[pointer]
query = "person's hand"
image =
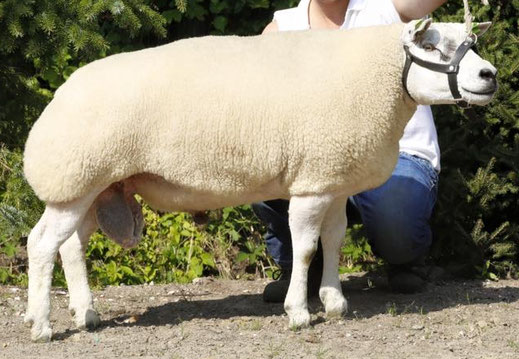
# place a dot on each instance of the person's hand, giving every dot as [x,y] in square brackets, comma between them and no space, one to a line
[416,9]
[272,27]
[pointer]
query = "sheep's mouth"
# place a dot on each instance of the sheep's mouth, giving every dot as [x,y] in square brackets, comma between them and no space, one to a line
[482,93]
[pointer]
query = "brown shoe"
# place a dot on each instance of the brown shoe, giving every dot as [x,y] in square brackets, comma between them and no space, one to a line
[275,292]
[408,278]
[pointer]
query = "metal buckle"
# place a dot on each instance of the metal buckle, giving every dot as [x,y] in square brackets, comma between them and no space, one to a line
[463,104]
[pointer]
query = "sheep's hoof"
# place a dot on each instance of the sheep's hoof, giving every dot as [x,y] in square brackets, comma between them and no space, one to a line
[298,319]
[41,333]
[336,309]
[334,303]
[88,320]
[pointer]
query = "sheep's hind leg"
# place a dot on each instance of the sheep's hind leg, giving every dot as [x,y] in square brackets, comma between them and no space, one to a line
[73,256]
[332,235]
[57,224]
[305,218]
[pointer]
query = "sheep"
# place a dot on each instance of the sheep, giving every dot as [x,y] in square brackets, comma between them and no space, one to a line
[204,123]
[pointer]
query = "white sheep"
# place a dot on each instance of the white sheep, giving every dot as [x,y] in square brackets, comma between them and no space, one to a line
[199,124]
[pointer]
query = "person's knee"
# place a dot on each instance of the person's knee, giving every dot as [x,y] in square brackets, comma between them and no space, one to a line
[400,244]
[396,215]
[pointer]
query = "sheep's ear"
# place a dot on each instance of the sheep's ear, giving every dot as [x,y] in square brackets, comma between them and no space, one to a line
[416,28]
[479,28]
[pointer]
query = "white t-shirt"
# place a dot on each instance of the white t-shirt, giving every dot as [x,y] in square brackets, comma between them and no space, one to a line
[420,138]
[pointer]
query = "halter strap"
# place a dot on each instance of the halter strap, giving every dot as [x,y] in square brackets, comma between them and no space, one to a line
[451,69]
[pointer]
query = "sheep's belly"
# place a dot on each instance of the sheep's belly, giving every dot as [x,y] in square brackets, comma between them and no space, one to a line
[166,196]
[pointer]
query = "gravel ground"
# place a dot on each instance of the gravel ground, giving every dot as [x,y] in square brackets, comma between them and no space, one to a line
[228,319]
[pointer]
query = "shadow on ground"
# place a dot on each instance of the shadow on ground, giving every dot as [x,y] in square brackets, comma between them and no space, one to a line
[367,295]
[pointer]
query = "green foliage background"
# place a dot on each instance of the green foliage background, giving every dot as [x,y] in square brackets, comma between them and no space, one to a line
[476,219]
[43,41]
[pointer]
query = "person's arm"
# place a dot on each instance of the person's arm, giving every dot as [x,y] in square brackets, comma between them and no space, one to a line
[416,9]
[272,27]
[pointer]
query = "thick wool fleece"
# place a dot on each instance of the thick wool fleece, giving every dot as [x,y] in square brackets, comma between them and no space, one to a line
[288,113]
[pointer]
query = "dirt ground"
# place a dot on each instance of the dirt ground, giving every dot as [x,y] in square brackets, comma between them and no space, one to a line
[228,319]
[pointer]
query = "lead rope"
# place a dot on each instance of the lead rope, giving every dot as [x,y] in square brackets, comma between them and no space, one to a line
[468,16]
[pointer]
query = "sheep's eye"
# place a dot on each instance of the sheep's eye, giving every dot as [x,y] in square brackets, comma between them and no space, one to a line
[428,47]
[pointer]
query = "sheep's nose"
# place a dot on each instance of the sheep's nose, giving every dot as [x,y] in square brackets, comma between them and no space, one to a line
[487,74]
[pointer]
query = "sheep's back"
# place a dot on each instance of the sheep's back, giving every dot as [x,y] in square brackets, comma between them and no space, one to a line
[218,114]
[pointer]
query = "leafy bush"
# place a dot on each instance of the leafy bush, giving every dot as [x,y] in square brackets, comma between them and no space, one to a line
[356,254]
[19,211]
[188,18]
[175,249]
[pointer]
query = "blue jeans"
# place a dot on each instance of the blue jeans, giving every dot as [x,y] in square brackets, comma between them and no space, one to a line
[395,215]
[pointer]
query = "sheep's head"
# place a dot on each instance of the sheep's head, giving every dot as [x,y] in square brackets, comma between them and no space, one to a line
[473,81]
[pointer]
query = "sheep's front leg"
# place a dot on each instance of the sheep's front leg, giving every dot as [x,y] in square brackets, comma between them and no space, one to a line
[332,235]
[73,256]
[305,218]
[57,224]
